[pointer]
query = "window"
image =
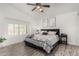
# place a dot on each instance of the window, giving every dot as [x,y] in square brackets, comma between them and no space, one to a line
[22,29]
[10,29]
[17,29]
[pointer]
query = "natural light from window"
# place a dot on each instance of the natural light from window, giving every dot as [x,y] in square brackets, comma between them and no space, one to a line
[17,29]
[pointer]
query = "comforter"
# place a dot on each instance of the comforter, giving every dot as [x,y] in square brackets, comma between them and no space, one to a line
[44,41]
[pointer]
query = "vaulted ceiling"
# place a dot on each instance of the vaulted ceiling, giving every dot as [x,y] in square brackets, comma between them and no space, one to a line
[23,10]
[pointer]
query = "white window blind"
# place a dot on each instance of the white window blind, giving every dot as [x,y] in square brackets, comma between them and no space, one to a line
[17,29]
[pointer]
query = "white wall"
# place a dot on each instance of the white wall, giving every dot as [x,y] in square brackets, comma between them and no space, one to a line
[68,24]
[4,21]
[9,14]
[18,38]
[77,23]
[4,31]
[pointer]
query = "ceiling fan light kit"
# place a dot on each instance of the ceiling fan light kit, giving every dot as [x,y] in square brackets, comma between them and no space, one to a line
[38,6]
[41,10]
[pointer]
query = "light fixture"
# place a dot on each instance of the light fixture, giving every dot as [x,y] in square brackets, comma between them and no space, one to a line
[41,9]
[38,7]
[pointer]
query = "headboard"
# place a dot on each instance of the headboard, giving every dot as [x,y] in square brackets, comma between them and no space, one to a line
[56,30]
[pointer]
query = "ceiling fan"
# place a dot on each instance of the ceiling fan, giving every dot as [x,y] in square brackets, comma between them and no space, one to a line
[38,6]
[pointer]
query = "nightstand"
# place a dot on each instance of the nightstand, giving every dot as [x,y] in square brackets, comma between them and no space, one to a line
[63,38]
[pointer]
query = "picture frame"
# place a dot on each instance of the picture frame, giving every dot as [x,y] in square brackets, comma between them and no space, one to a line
[49,22]
[52,22]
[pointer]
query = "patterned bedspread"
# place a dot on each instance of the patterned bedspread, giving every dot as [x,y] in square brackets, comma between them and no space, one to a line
[44,41]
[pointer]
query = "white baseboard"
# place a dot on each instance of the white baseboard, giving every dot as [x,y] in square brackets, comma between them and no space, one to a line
[4,45]
[71,43]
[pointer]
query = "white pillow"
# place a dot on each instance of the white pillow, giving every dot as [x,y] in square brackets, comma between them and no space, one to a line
[51,33]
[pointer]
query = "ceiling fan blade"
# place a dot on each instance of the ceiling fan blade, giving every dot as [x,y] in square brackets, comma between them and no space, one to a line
[31,4]
[33,8]
[46,5]
[38,4]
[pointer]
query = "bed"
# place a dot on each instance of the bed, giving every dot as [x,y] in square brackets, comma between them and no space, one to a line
[46,42]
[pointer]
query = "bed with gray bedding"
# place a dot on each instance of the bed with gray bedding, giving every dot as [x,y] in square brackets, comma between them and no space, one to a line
[45,41]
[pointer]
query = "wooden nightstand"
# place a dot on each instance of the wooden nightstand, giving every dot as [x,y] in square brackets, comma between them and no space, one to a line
[63,38]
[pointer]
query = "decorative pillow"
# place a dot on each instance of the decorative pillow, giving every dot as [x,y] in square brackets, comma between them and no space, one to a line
[44,33]
[52,33]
